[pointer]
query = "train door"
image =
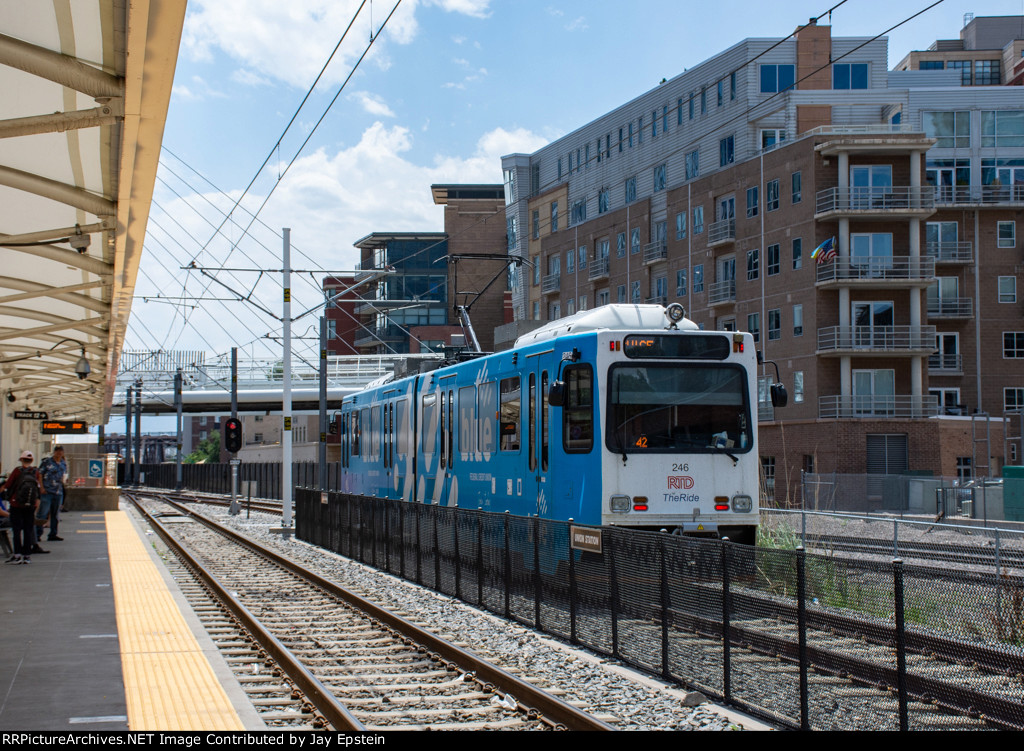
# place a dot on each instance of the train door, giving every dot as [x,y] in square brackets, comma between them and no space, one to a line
[539,430]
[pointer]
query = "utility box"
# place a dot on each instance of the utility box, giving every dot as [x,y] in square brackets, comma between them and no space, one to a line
[1013,493]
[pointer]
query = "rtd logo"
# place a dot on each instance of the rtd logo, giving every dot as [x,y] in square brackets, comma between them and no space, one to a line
[680,482]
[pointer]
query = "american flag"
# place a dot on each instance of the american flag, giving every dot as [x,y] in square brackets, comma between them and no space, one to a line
[826,251]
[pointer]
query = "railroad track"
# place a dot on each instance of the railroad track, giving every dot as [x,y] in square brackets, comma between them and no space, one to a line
[970,555]
[349,665]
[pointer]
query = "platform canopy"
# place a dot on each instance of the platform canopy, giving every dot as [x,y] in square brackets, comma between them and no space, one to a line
[84,90]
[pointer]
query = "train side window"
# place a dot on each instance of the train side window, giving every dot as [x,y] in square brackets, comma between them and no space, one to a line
[366,441]
[578,412]
[402,427]
[451,428]
[428,430]
[376,434]
[487,410]
[510,412]
[444,435]
[355,433]
[544,421]
[531,409]
[343,431]
[467,419]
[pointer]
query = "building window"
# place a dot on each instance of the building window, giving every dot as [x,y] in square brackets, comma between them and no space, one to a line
[1013,345]
[570,261]
[775,78]
[692,165]
[771,196]
[579,211]
[659,178]
[554,216]
[771,137]
[703,100]
[775,324]
[986,72]
[620,140]
[570,306]
[930,65]
[850,76]
[798,387]
[510,225]
[630,126]
[621,293]
[635,296]
[754,325]
[964,66]
[536,270]
[583,302]
[768,474]
[620,245]
[798,320]
[721,93]
[1002,128]
[952,130]
[681,283]
[798,252]
[691,105]
[630,189]
[732,85]
[774,260]
[726,151]
[698,220]
[586,157]
[753,264]
[602,297]
[634,241]
[1013,399]
[751,202]
[536,310]
[654,123]
[602,201]
[681,225]
[555,312]
[1007,289]
[582,258]
[559,168]
[797,187]
[1007,234]
[535,224]
[698,278]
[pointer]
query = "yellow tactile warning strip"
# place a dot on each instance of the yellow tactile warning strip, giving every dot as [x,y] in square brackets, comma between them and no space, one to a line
[168,682]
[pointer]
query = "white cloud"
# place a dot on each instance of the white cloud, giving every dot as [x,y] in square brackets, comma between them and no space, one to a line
[577,24]
[372,103]
[330,199]
[249,78]
[289,41]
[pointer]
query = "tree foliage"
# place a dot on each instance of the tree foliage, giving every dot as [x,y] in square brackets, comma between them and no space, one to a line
[206,451]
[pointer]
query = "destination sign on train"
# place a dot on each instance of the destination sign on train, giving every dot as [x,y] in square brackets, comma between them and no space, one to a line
[694,347]
[53,427]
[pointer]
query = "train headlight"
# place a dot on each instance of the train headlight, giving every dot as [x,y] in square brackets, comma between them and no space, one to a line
[742,503]
[621,504]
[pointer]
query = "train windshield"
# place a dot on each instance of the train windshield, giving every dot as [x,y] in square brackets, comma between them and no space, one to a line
[678,408]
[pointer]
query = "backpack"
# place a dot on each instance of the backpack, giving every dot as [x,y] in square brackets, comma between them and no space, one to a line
[26,492]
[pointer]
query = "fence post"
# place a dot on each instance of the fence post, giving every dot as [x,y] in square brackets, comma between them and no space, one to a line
[536,573]
[726,656]
[901,642]
[895,538]
[508,567]
[801,625]
[664,608]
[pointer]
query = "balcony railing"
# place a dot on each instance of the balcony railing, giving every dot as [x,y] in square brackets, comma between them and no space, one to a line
[950,252]
[877,268]
[721,231]
[877,338]
[951,307]
[657,300]
[655,251]
[979,195]
[598,268]
[945,363]
[899,406]
[765,412]
[719,292]
[551,283]
[876,199]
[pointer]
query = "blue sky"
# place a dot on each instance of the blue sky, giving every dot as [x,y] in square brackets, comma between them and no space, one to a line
[448,87]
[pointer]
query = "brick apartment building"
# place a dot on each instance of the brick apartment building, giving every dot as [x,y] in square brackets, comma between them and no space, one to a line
[904,352]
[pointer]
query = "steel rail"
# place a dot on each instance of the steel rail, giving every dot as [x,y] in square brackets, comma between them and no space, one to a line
[533,699]
[319,695]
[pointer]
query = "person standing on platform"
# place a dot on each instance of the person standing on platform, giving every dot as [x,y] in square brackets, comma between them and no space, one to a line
[53,469]
[25,489]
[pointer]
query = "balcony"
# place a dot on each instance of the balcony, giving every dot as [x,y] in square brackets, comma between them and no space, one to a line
[908,201]
[950,252]
[721,232]
[946,364]
[951,307]
[655,251]
[870,340]
[598,268]
[722,292]
[551,283]
[979,195]
[893,407]
[877,271]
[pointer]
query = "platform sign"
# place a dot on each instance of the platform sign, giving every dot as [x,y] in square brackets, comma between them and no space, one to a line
[586,538]
[54,427]
[96,469]
[23,414]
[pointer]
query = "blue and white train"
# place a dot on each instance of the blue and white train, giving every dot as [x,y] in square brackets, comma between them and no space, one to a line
[625,415]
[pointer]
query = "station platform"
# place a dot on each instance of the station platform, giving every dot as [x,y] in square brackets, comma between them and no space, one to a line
[95,636]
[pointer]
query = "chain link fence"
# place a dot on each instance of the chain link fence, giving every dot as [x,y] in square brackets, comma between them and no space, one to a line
[807,640]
